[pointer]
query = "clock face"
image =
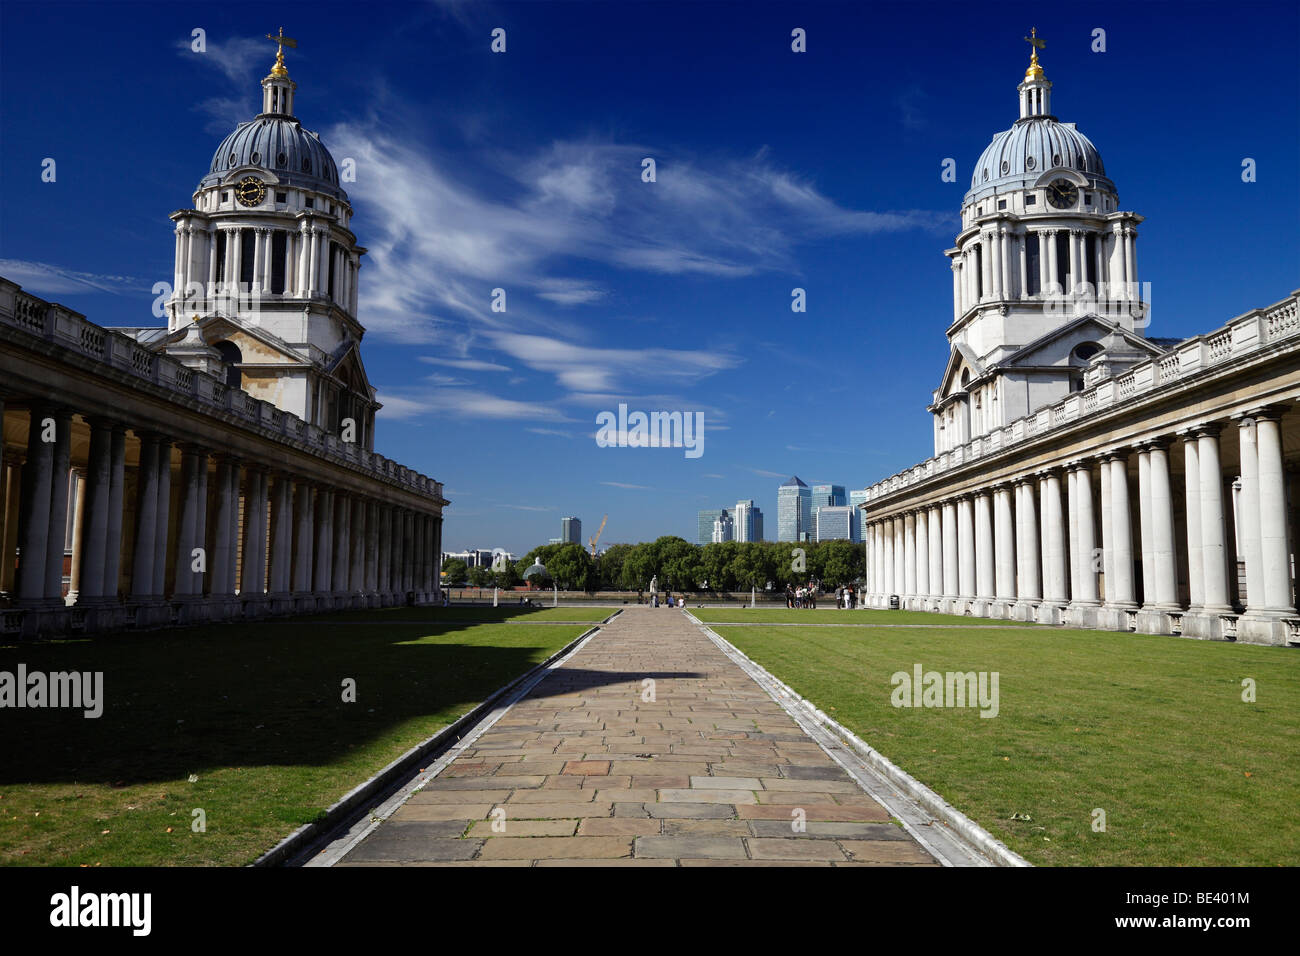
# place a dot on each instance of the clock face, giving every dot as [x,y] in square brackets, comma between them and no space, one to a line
[1062,193]
[250,191]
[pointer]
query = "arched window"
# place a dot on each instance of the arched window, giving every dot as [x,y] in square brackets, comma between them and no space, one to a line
[231,355]
[965,377]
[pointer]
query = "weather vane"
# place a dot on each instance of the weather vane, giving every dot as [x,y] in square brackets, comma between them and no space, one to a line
[281,42]
[1034,40]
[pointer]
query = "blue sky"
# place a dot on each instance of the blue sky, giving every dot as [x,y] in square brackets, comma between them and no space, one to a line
[775,170]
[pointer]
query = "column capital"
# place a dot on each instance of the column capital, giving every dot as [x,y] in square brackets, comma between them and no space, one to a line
[1267,413]
[1159,443]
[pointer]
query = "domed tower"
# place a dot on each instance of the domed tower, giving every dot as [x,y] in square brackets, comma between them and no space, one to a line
[1044,273]
[267,268]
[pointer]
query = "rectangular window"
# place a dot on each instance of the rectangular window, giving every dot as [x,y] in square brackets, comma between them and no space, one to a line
[247,253]
[225,197]
[279,245]
[329,289]
[979,273]
[1032,264]
[281,197]
[1031,200]
[1087,199]
[221,255]
[1090,267]
[1063,277]
[309,202]
[1002,204]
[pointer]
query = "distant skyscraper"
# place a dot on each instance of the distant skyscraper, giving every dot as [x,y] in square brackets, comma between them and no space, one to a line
[793,511]
[571,530]
[749,521]
[856,498]
[827,496]
[834,523]
[704,527]
[724,528]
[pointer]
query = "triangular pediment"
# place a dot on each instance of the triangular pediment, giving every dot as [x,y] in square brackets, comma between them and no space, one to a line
[961,359]
[216,327]
[1054,347]
[345,365]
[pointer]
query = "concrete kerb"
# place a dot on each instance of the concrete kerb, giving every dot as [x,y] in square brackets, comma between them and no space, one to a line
[902,795]
[300,846]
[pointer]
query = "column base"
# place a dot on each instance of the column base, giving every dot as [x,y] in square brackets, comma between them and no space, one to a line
[1000,610]
[1081,614]
[255,606]
[1208,623]
[191,609]
[1264,627]
[1157,619]
[145,613]
[1051,612]
[281,602]
[37,619]
[1026,610]
[1117,617]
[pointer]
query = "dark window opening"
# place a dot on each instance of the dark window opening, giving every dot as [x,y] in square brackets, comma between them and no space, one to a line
[1032,264]
[310,202]
[221,255]
[1031,200]
[281,197]
[279,248]
[231,355]
[247,253]
[1002,204]
[329,289]
[1090,267]
[979,273]
[1062,276]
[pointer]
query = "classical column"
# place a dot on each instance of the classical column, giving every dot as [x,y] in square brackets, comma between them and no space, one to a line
[935,527]
[995,264]
[965,549]
[1022,248]
[909,554]
[357,546]
[1074,260]
[1162,528]
[922,528]
[304,535]
[951,581]
[956,289]
[146,517]
[1054,581]
[93,544]
[900,556]
[1107,542]
[342,564]
[1195,543]
[252,581]
[189,532]
[1122,595]
[372,548]
[282,535]
[1276,567]
[322,563]
[34,504]
[1028,578]
[78,507]
[1053,268]
[225,507]
[1072,529]
[259,256]
[58,523]
[163,528]
[1144,526]
[437,554]
[1214,553]
[985,569]
[1004,545]
[1086,583]
[386,550]
[303,272]
[1004,256]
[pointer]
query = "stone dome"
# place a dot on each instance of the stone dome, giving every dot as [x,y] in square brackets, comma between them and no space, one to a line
[281,146]
[1019,156]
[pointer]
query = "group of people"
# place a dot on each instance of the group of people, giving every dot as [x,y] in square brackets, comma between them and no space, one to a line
[802,596]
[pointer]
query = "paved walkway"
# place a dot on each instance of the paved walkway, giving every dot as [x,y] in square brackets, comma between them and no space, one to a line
[591,768]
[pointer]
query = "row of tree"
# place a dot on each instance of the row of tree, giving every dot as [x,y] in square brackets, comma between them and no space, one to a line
[678,564]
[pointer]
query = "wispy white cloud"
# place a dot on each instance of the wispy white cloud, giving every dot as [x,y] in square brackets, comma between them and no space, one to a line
[528,507]
[585,369]
[407,403]
[551,431]
[624,484]
[470,365]
[47,279]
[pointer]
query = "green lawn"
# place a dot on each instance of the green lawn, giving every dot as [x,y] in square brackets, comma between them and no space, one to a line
[475,613]
[832,615]
[1150,729]
[254,711]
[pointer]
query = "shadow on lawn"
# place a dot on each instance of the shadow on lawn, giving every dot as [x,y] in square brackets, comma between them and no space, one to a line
[183,701]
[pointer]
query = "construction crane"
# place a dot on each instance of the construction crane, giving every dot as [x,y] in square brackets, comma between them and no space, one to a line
[592,541]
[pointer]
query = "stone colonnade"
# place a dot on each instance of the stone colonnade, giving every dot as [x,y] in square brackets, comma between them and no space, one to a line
[1109,541]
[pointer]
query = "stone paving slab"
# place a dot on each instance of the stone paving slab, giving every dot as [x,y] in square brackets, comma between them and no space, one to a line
[595,767]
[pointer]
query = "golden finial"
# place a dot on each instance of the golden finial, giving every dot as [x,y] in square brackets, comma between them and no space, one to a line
[1035,72]
[282,41]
